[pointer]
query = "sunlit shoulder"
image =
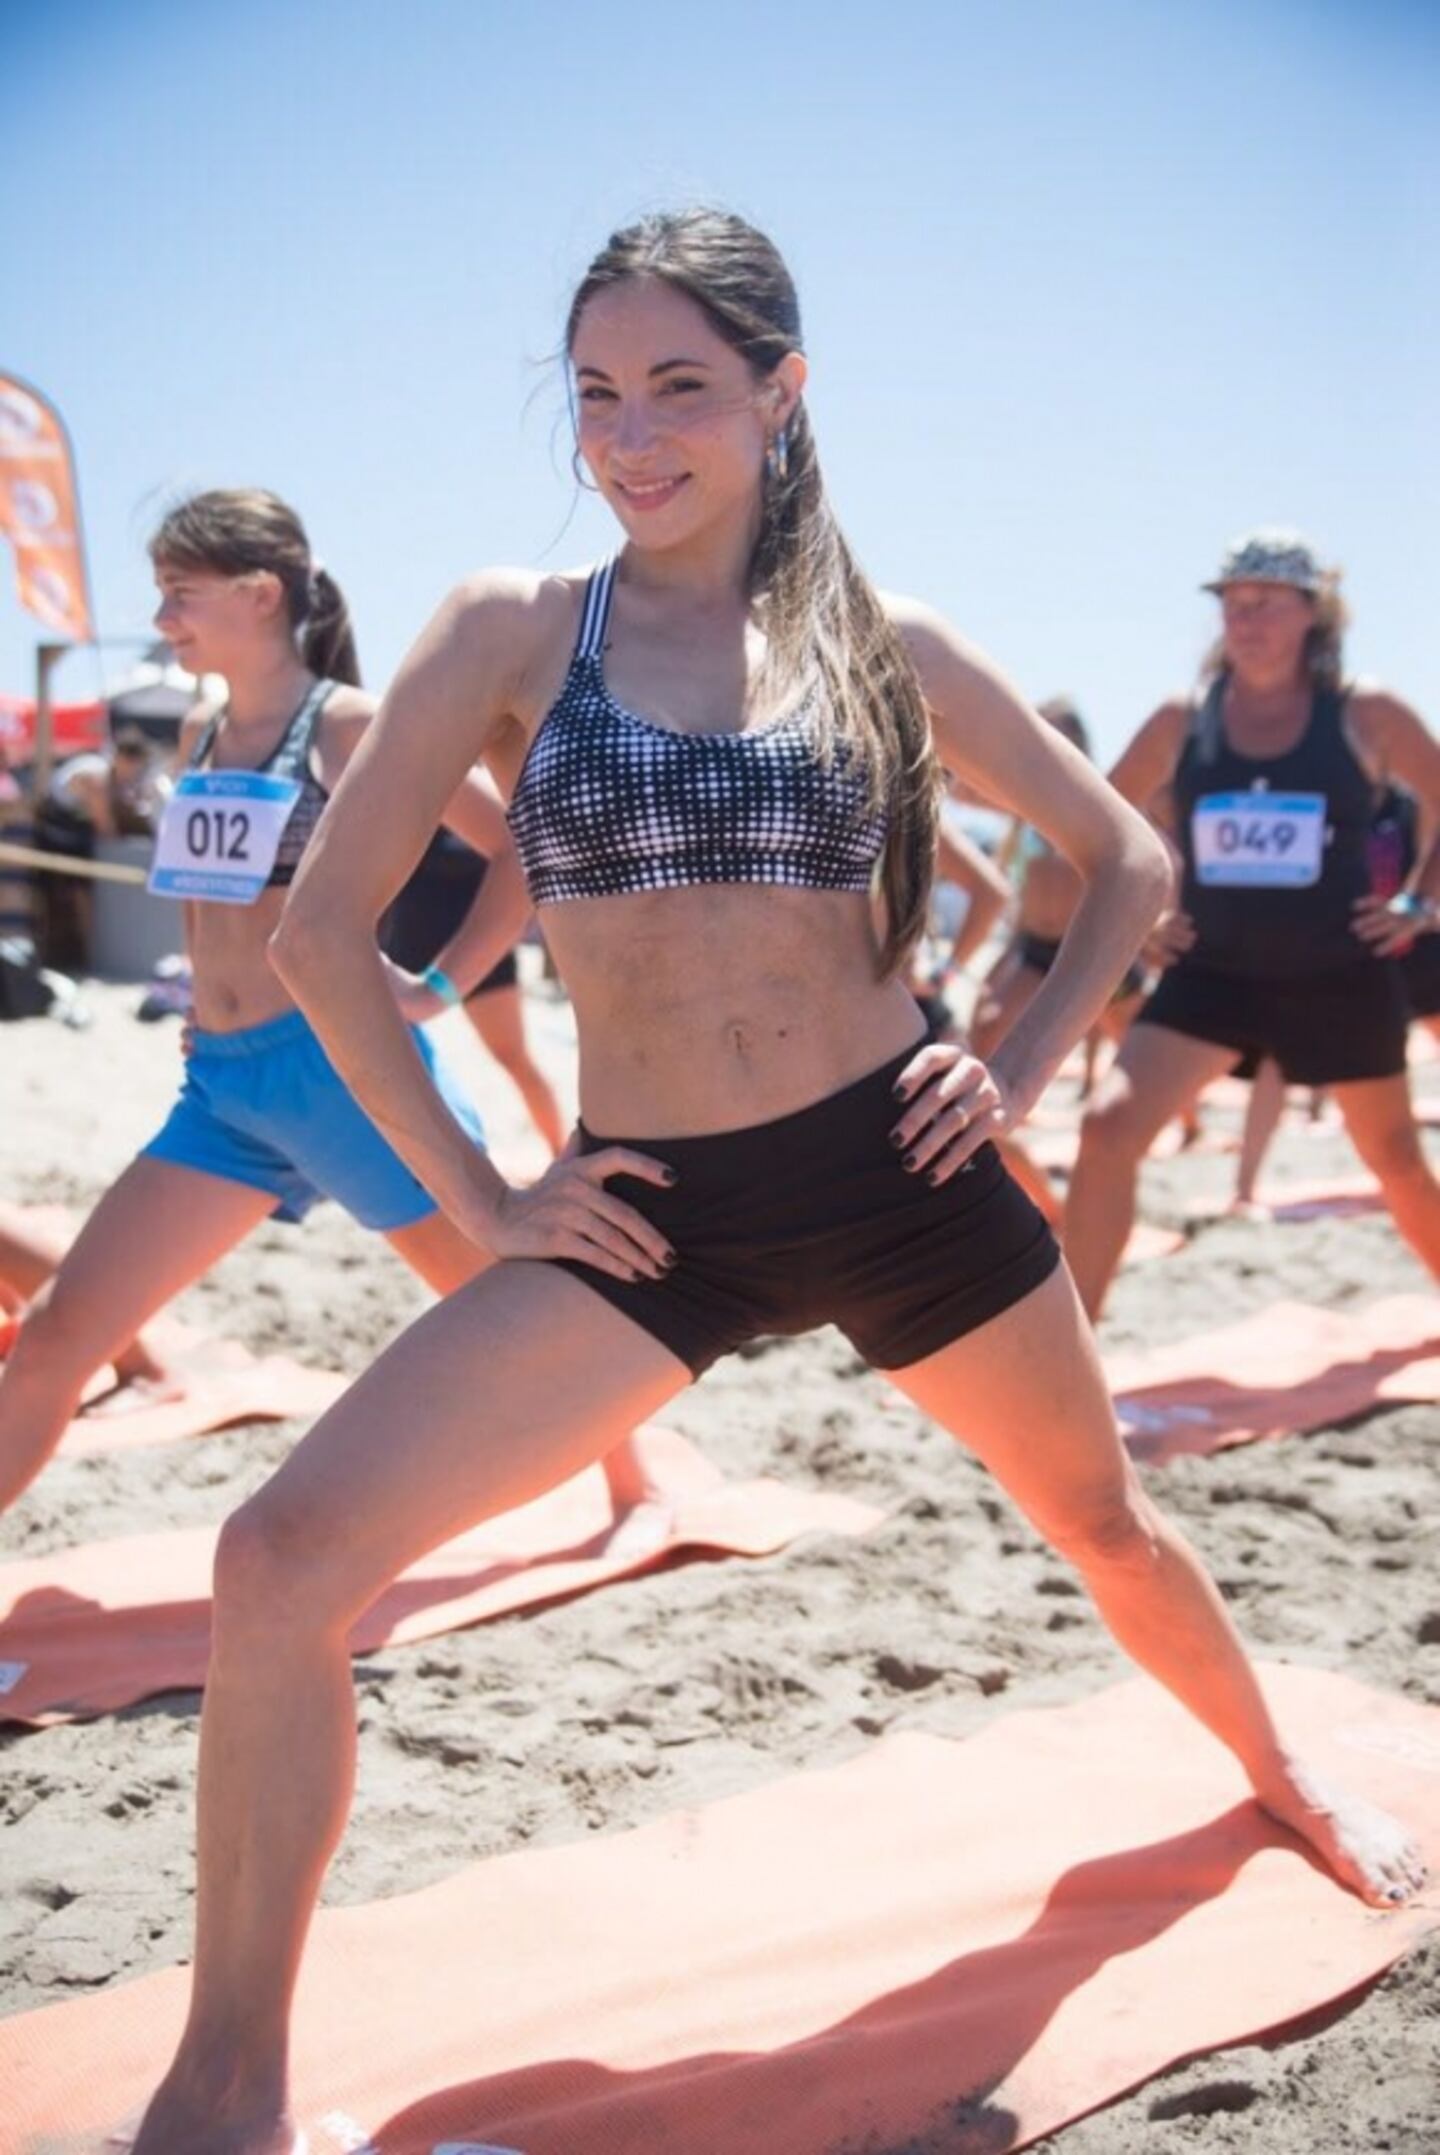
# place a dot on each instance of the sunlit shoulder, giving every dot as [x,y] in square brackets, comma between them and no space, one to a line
[347,707]
[492,636]
[930,637]
[958,680]
[1371,699]
[511,601]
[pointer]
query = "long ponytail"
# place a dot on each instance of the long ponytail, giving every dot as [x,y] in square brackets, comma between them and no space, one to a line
[327,637]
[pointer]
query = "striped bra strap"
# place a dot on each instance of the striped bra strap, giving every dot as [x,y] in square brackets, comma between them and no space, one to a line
[595,614]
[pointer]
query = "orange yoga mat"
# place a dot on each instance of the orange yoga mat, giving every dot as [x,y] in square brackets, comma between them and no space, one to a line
[224,1382]
[1340,1197]
[1147,1241]
[1289,1367]
[1055,1145]
[85,1630]
[948,1947]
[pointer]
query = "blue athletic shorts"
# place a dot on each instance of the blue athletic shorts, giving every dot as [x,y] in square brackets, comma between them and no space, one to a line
[268,1108]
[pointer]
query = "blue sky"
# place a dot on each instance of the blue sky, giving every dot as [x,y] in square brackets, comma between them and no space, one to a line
[1088,288]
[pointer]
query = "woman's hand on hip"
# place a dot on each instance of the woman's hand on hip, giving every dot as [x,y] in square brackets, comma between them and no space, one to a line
[1390,925]
[570,1213]
[1172,935]
[953,1104]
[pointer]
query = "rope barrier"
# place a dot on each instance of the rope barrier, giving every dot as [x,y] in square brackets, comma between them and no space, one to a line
[62,864]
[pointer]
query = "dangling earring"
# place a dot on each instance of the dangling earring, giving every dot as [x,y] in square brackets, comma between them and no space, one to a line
[777,456]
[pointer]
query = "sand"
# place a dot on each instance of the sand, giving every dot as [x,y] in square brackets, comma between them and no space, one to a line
[709,1679]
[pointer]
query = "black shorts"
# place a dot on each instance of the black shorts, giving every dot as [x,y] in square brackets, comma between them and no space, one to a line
[935,1010]
[811,1220]
[1039,953]
[1420,976]
[427,912]
[1333,1028]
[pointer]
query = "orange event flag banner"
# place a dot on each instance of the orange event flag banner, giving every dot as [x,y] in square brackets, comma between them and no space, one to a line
[40,511]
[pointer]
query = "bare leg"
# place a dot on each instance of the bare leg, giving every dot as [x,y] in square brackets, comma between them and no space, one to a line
[153,1232]
[28,1258]
[1026,1392]
[445,1259]
[1010,989]
[1263,1111]
[435,1249]
[1031,1176]
[1382,1129]
[498,1017]
[491,1416]
[1156,1075]
[1091,1053]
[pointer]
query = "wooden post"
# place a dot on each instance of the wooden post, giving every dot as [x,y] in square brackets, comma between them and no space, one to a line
[47,657]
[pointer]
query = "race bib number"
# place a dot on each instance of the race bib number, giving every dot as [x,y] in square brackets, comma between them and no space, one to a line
[219,835]
[1259,839]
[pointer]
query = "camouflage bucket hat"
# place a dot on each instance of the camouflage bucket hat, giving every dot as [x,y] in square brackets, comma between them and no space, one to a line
[1269,557]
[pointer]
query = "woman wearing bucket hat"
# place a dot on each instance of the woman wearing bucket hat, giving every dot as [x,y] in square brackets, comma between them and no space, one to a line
[1267,782]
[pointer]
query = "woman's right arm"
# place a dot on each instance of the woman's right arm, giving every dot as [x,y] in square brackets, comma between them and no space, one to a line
[1144,776]
[449,700]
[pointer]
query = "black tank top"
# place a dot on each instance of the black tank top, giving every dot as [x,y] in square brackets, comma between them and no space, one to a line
[1263,928]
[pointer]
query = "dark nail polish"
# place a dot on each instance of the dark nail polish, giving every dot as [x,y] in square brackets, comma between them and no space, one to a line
[668,1260]
[671,1178]
[935,1178]
[909,1162]
[897,1138]
[900,1092]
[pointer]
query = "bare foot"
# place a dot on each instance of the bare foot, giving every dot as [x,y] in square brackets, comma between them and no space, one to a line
[641,1531]
[172,2126]
[1365,1847]
[128,1394]
[643,1513]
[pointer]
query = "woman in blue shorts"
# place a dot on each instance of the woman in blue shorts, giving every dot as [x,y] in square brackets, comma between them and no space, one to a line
[263,1125]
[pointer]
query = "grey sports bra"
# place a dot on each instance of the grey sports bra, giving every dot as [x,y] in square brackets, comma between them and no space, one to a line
[290,758]
[608,803]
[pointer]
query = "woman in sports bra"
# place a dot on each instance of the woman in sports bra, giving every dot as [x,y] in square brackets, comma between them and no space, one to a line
[1267,784]
[717,746]
[263,1124]
[438,897]
[1049,889]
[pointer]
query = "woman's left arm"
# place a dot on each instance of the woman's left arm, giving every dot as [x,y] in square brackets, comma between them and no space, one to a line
[990,739]
[476,813]
[1398,743]
[499,913]
[1395,741]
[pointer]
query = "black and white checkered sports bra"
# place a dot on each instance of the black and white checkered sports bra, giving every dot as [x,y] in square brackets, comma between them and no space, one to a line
[608,803]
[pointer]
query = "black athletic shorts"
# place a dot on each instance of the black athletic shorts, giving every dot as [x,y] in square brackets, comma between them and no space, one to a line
[427,912]
[1039,953]
[1420,976]
[1322,1029]
[811,1220]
